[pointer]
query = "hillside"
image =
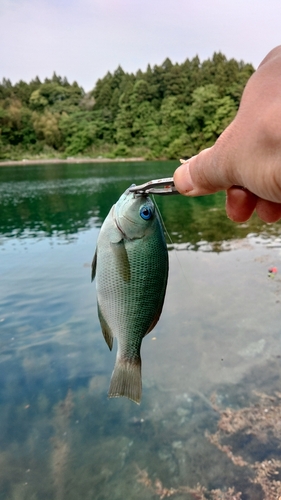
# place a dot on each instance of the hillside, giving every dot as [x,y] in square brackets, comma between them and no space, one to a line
[168,111]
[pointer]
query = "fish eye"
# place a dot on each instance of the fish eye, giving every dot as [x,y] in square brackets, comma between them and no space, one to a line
[145,212]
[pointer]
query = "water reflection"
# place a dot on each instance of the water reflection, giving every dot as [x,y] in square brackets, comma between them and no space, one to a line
[217,343]
[63,199]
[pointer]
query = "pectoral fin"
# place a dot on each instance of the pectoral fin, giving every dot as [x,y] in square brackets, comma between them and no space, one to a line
[122,261]
[107,333]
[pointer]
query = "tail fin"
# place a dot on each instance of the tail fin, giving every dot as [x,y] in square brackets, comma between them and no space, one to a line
[126,380]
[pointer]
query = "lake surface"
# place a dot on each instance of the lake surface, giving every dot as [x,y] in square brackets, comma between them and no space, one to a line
[216,348]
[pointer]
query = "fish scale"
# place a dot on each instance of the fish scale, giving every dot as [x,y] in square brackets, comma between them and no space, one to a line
[131,270]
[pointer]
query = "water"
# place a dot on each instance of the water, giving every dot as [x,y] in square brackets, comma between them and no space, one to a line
[216,345]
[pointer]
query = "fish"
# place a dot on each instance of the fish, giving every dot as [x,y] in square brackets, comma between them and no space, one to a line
[130,268]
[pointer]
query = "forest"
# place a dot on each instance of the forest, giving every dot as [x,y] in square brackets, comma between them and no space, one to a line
[169,111]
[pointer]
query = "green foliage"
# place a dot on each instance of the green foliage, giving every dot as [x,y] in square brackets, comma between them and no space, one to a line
[46,128]
[167,111]
[37,100]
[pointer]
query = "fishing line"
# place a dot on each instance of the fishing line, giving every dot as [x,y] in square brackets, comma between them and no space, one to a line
[161,219]
[168,236]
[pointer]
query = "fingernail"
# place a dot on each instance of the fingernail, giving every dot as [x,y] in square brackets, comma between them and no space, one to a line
[182,179]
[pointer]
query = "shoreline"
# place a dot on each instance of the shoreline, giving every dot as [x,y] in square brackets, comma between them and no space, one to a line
[12,163]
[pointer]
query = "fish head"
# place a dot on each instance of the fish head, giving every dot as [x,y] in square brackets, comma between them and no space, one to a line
[134,215]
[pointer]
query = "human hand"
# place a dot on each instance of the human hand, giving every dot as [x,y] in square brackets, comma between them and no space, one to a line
[246,159]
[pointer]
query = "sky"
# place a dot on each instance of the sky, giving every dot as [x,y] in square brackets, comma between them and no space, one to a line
[84,39]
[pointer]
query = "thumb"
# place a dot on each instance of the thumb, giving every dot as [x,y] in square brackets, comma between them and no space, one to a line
[202,174]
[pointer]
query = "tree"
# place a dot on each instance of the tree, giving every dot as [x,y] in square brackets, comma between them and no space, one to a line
[208,115]
[168,110]
[47,129]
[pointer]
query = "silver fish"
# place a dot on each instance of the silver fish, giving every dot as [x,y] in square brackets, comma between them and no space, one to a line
[131,270]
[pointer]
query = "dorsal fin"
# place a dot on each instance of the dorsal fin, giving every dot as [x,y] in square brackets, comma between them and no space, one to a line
[94,266]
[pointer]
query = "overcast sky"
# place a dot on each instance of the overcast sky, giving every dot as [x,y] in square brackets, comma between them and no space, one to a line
[83,39]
